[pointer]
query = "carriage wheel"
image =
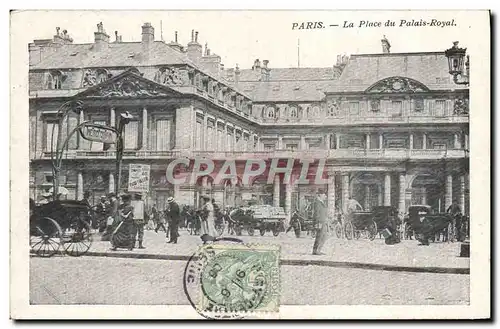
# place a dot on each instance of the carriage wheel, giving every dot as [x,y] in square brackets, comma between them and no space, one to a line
[451,233]
[338,230]
[372,231]
[77,242]
[349,231]
[250,231]
[45,240]
[262,231]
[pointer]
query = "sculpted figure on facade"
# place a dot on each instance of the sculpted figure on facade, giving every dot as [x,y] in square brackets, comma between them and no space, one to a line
[128,87]
[92,77]
[169,76]
[397,84]
[375,105]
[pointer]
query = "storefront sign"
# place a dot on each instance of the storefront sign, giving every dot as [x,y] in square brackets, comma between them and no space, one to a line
[99,133]
[138,178]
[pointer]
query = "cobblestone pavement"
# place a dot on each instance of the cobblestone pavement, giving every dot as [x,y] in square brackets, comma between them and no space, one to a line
[407,253]
[100,280]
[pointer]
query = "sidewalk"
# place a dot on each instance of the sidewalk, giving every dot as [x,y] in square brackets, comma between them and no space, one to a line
[405,256]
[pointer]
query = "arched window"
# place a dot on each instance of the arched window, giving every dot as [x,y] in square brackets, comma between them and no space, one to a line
[293,112]
[102,75]
[54,80]
[271,113]
[315,112]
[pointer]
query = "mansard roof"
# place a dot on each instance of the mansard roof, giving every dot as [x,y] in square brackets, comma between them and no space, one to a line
[117,54]
[293,74]
[362,71]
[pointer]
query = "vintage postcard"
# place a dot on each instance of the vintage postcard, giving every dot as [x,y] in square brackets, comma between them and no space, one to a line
[250,164]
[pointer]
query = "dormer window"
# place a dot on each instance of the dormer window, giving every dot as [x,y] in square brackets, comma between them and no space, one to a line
[54,80]
[271,113]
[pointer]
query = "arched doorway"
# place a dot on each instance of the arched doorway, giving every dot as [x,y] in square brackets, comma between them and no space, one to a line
[366,188]
[427,189]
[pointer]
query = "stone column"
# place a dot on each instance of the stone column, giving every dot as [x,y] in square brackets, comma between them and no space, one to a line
[367,138]
[461,200]
[288,201]
[144,128]
[331,195]
[367,197]
[380,194]
[337,141]
[380,141]
[280,143]
[424,141]
[224,140]
[112,123]
[466,141]
[204,133]
[235,146]
[387,189]
[111,186]
[411,141]
[327,141]
[345,190]
[303,142]
[424,196]
[402,193]
[276,193]
[448,197]
[82,144]
[79,186]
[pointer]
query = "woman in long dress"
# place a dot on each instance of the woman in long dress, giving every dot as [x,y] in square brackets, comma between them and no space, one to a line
[123,235]
[207,221]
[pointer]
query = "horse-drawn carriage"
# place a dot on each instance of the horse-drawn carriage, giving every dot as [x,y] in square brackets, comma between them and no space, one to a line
[370,223]
[60,223]
[427,225]
[261,217]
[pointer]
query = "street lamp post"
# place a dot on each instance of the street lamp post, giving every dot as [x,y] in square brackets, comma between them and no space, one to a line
[56,155]
[124,120]
[456,57]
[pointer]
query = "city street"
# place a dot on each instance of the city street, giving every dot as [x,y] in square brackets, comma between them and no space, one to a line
[100,280]
[108,280]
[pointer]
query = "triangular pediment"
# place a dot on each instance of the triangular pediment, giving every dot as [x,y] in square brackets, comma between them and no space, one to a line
[128,84]
[397,85]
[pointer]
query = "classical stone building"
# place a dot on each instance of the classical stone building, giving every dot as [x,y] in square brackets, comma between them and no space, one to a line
[393,127]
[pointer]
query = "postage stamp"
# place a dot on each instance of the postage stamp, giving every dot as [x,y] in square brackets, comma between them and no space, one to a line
[233,280]
[241,164]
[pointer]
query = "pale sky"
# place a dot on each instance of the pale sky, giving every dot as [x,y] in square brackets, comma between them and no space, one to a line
[242,36]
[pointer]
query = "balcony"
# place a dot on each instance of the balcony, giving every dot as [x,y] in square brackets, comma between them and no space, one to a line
[343,154]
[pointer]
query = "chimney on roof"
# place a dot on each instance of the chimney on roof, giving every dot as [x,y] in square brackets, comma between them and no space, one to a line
[386,46]
[194,49]
[174,44]
[101,39]
[118,38]
[265,71]
[256,64]
[237,75]
[148,38]
[61,38]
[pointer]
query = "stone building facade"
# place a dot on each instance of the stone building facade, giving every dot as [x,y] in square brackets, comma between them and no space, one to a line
[392,127]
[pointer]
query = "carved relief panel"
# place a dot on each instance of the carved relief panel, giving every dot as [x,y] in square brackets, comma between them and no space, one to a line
[92,77]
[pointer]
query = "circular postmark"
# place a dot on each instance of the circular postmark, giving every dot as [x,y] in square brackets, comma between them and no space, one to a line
[228,279]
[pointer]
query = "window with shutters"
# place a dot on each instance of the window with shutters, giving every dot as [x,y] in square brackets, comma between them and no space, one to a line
[131,140]
[439,108]
[162,135]
[51,126]
[396,109]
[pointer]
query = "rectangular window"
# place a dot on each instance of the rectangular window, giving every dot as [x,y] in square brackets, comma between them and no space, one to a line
[230,141]
[395,143]
[49,127]
[314,145]
[292,147]
[198,135]
[397,109]
[131,140]
[269,147]
[162,135]
[210,138]
[354,108]
[440,108]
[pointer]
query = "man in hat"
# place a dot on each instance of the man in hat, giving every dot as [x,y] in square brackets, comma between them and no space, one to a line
[139,220]
[173,214]
[320,215]
[101,212]
[123,235]
[111,213]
